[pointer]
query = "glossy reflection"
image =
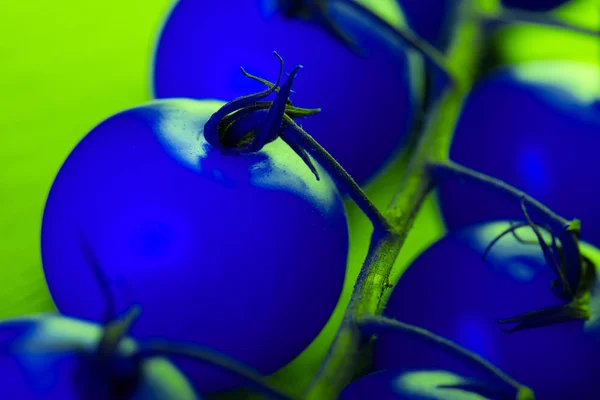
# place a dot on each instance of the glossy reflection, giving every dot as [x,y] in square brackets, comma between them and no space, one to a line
[397,384]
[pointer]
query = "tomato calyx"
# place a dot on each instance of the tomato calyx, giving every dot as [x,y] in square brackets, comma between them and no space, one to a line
[553,252]
[562,255]
[248,123]
[576,309]
[577,306]
[546,317]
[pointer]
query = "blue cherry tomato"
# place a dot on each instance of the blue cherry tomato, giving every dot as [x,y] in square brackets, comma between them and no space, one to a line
[536,126]
[451,292]
[245,254]
[48,356]
[409,385]
[369,104]
[534,5]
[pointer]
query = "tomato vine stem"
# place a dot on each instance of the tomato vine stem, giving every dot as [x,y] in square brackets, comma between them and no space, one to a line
[373,279]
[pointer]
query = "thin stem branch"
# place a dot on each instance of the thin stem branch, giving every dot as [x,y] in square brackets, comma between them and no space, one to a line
[375,325]
[294,132]
[398,35]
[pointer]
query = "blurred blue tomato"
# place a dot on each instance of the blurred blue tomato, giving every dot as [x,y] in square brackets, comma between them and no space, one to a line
[244,254]
[536,126]
[397,384]
[369,104]
[451,292]
[51,357]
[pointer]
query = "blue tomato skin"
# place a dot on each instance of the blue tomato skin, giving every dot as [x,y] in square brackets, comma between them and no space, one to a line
[244,254]
[396,384]
[536,126]
[36,363]
[451,292]
[368,104]
[534,5]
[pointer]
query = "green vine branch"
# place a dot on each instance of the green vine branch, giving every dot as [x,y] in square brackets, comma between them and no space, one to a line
[373,279]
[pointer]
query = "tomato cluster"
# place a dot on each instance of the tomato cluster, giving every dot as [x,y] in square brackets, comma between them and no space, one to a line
[199,243]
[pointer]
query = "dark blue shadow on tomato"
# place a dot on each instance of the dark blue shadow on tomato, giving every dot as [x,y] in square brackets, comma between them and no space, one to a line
[38,376]
[534,5]
[432,20]
[368,104]
[543,138]
[450,291]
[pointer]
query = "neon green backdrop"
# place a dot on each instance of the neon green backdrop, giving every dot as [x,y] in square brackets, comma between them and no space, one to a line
[65,65]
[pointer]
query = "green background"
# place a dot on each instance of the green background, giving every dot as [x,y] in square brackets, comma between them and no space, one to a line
[65,65]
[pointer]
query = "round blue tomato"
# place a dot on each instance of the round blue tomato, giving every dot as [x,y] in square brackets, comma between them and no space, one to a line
[397,384]
[451,292]
[368,104]
[536,126]
[48,356]
[245,254]
[534,5]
